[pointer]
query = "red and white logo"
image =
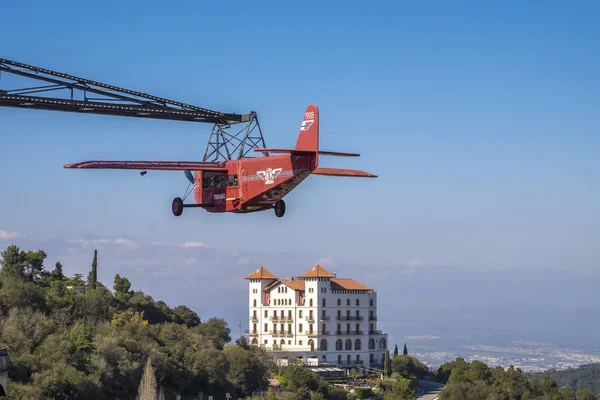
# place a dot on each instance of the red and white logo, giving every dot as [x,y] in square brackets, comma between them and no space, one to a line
[269,175]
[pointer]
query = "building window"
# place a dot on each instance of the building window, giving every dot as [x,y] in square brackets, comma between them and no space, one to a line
[357,302]
[339,358]
[339,302]
[371,344]
[300,313]
[254,313]
[323,303]
[300,328]
[266,328]
[347,302]
[348,344]
[371,358]
[300,342]
[371,302]
[254,302]
[338,345]
[323,345]
[311,302]
[357,344]
[382,344]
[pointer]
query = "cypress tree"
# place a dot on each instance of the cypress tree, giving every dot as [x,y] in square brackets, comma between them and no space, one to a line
[148,386]
[396,350]
[386,363]
[94,274]
[405,350]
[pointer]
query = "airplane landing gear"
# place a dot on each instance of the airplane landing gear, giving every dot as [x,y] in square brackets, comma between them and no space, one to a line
[177,206]
[280,208]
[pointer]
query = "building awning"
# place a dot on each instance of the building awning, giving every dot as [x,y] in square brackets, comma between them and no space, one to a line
[327,369]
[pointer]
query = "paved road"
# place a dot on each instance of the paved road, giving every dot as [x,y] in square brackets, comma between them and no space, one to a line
[430,390]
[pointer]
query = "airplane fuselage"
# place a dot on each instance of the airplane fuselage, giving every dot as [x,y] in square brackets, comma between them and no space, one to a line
[252,184]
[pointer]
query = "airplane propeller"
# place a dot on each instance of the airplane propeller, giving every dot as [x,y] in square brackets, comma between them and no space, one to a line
[189,176]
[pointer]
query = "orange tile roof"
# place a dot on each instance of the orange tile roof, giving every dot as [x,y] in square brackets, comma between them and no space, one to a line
[347,284]
[294,284]
[261,273]
[317,272]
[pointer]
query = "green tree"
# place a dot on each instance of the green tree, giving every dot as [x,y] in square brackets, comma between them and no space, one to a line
[396,350]
[585,394]
[386,363]
[13,262]
[121,287]
[183,315]
[405,352]
[247,368]
[215,330]
[57,273]
[93,275]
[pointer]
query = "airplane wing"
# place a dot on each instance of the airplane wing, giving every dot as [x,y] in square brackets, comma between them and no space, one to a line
[343,172]
[151,165]
[320,152]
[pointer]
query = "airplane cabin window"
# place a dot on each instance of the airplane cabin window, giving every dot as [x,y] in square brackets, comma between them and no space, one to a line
[233,180]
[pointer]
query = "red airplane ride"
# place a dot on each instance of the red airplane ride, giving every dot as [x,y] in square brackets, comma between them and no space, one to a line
[251,184]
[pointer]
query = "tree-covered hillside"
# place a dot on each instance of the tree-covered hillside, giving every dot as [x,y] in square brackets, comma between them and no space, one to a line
[583,377]
[71,339]
[477,381]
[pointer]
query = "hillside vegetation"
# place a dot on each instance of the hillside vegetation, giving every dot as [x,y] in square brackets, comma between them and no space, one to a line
[93,344]
[583,377]
[477,381]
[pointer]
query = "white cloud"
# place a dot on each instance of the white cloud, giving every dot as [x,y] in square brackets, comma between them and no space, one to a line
[415,263]
[128,243]
[6,235]
[193,244]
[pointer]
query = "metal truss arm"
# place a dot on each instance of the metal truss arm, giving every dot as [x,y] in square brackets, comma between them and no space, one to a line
[115,101]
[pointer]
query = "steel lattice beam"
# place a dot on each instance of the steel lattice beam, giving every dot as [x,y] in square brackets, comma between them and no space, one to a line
[222,145]
[115,101]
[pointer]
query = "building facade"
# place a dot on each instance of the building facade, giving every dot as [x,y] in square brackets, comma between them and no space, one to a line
[317,317]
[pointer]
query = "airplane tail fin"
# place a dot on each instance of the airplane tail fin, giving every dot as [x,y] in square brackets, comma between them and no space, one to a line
[308,138]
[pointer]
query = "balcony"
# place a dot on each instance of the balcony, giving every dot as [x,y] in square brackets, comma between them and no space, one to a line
[375,332]
[317,333]
[350,318]
[254,318]
[372,318]
[324,318]
[310,318]
[252,333]
[352,362]
[274,318]
[349,332]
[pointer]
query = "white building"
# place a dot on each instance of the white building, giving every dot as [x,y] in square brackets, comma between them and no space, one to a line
[316,317]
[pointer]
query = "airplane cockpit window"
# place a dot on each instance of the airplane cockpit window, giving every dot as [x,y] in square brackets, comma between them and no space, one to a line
[215,182]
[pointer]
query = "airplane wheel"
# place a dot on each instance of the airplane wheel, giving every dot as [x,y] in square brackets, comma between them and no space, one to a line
[280,208]
[177,206]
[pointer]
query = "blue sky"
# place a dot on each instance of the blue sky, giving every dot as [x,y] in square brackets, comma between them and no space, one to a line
[481,121]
